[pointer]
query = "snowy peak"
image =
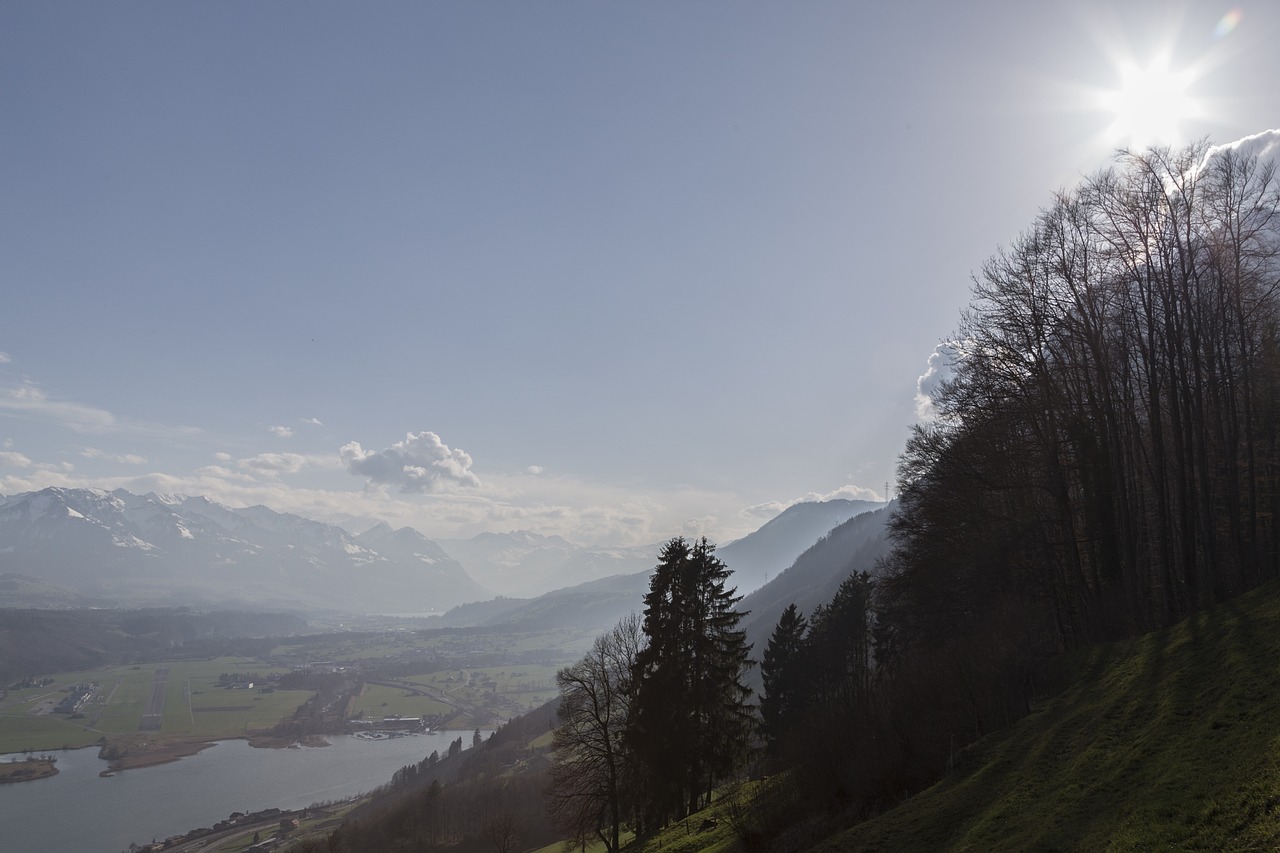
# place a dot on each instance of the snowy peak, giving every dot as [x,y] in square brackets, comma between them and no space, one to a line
[174,549]
[406,540]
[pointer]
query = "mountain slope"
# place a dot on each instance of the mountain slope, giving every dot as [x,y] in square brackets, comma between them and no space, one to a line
[600,602]
[526,564]
[813,578]
[597,604]
[1162,742]
[766,552]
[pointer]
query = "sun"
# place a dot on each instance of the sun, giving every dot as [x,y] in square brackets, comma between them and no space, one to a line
[1150,104]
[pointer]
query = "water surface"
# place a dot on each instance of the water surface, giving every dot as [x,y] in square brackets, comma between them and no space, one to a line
[78,811]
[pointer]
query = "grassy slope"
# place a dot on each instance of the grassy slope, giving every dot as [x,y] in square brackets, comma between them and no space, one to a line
[1165,742]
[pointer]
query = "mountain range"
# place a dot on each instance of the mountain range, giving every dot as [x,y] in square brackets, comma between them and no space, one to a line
[809,579]
[61,547]
[121,548]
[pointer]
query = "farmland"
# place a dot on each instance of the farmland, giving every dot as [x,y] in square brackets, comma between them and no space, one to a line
[453,678]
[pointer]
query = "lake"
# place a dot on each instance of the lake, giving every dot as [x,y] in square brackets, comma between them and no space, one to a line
[78,811]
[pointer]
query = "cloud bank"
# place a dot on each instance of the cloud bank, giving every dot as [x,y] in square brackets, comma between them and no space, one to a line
[121,458]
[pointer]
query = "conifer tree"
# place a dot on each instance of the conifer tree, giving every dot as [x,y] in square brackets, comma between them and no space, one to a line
[780,669]
[690,720]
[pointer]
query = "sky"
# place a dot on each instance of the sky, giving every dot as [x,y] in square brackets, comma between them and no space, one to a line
[613,271]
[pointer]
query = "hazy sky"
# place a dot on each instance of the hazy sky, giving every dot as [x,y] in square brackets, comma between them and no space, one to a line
[610,270]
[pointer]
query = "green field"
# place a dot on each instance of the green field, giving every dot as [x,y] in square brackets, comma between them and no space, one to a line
[523,687]
[380,701]
[194,705]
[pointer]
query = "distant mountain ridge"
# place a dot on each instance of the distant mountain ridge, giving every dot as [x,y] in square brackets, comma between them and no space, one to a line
[771,550]
[594,605]
[526,564]
[810,578]
[854,546]
[523,564]
[62,546]
[162,549]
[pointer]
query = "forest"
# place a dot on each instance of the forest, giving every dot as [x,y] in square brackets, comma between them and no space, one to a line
[1102,463]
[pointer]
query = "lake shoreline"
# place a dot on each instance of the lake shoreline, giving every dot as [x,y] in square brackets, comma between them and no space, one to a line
[172,797]
[135,751]
[27,770]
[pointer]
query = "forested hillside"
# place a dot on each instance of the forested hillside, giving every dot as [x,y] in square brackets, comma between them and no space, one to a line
[1102,463]
[493,800]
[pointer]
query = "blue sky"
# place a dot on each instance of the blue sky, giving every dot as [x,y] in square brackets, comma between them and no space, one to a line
[609,270]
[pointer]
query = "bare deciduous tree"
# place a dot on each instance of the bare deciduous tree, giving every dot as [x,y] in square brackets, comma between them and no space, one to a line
[590,776]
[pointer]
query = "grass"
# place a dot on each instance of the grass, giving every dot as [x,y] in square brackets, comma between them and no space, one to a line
[523,687]
[38,734]
[594,847]
[124,690]
[1165,742]
[32,768]
[688,836]
[377,701]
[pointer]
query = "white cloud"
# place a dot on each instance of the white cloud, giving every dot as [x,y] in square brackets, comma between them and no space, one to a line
[12,459]
[763,511]
[846,493]
[222,473]
[939,370]
[222,457]
[587,512]
[273,464]
[28,400]
[281,431]
[770,509]
[5,358]
[312,421]
[1265,146]
[694,528]
[122,458]
[535,470]
[420,464]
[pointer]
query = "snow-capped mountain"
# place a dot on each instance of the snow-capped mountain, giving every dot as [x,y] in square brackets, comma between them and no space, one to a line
[175,549]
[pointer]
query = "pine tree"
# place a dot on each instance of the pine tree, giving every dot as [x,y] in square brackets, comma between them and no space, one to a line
[690,720]
[781,671]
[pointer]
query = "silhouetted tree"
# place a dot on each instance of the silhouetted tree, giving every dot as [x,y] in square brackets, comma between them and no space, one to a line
[691,721]
[780,670]
[591,777]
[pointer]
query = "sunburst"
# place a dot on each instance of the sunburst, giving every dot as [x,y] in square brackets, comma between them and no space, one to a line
[1151,104]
